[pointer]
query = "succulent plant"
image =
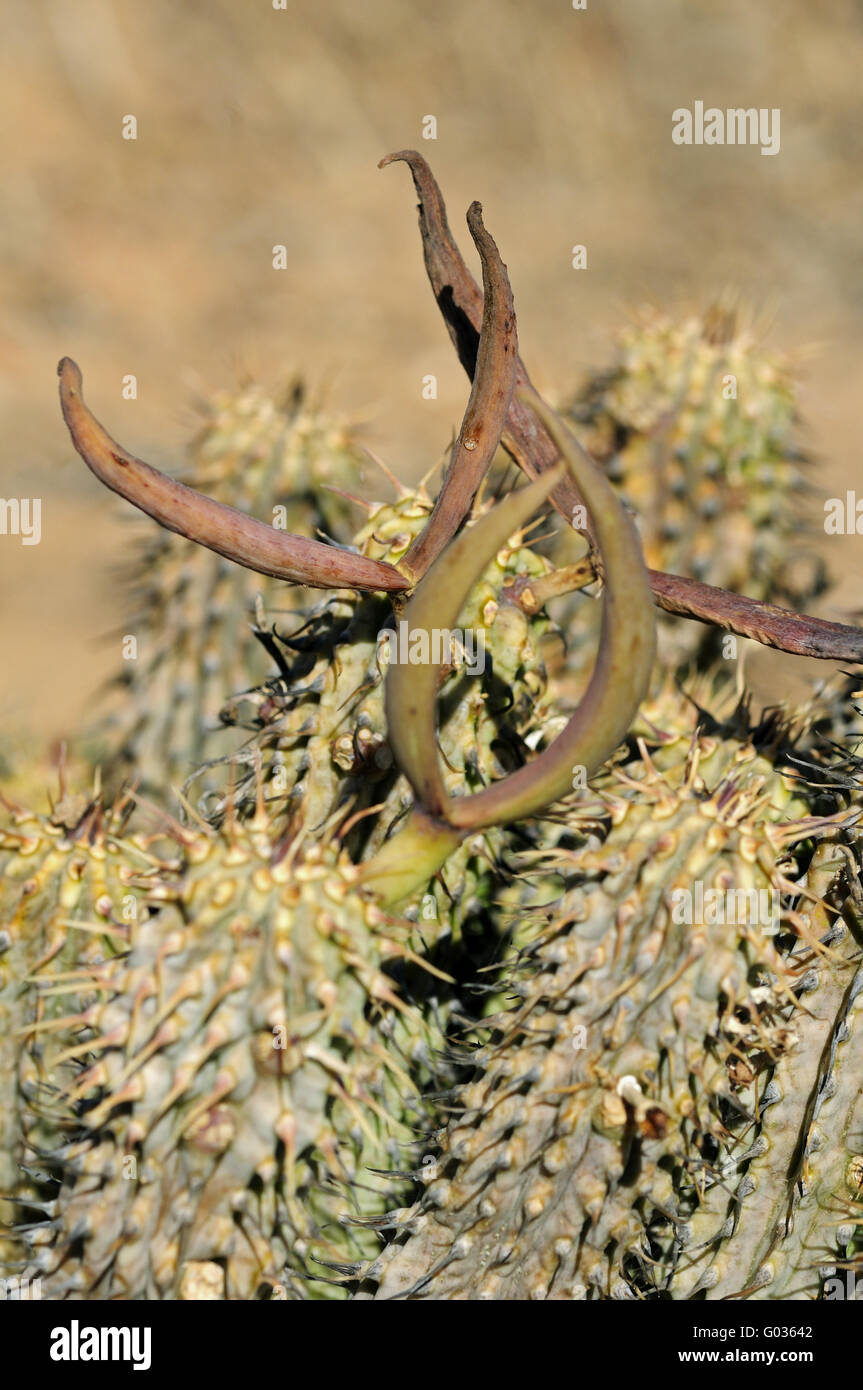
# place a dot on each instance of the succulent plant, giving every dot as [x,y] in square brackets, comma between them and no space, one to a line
[407,870]
[220,1072]
[65,898]
[697,427]
[622,1135]
[193,613]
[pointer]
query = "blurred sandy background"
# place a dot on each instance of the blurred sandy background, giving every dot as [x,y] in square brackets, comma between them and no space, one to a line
[258,126]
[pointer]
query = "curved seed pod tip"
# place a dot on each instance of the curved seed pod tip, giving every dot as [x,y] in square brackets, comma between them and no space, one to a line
[487,408]
[533,449]
[229,532]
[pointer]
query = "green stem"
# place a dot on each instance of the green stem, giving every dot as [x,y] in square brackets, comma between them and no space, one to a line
[411,857]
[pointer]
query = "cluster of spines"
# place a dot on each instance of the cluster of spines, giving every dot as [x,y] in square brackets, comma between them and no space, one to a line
[192,612]
[206,1088]
[698,427]
[650,1245]
[641,1157]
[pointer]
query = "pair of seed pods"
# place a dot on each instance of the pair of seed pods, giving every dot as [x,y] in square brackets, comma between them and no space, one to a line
[438,822]
[619,682]
[440,567]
